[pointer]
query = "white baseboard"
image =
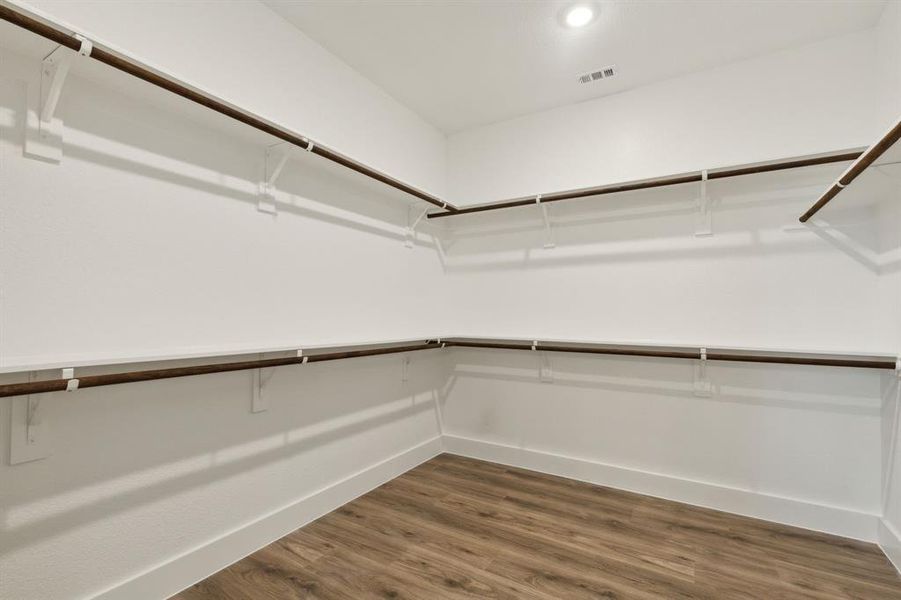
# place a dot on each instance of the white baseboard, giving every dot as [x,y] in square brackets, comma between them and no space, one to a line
[890,542]
[187,569]
[828,519]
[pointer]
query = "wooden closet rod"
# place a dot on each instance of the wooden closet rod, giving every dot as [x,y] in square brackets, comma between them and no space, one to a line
[67,39]
[691,352]
[860,165]
[320,355]
[694,177]
[59,385]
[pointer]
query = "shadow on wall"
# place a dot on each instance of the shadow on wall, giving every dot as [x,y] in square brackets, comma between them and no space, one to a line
[121,448]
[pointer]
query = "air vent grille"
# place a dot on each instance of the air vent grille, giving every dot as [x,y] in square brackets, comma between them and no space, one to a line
[604,73]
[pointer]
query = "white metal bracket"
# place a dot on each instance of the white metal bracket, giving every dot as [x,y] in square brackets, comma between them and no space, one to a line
[702,386]
[704,221]
[545,373]
[548,234]
[412,223]
[44,138]
[29,439]
[259,380]
[405,369]
[275,158]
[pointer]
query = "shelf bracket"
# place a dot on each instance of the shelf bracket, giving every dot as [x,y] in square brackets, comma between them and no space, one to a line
[545,372]
[405,369]
[29,439]
[259,380]
[548,234]
[275,158]
[702,386]
[412,223]
[704,221]
[44,138]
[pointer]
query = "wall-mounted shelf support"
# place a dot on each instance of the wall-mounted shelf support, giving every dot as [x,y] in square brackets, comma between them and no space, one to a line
[702,386]
[412,223]
[45,131]
[405,369]
[54,69]
[548,234]
[704,221]
[28,436]
[259,380]
[545,372]
[275,158]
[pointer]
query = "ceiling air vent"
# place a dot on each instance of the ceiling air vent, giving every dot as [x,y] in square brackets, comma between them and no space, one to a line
[604,73]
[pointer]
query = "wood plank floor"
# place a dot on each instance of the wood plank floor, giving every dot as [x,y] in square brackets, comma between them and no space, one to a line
[460,528]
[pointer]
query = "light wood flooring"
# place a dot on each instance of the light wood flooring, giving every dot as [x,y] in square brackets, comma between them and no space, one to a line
[461,528]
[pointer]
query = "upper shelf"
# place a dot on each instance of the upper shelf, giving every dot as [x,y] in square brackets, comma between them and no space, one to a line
[885,151]
[132,67]
[643,184]
[302,356]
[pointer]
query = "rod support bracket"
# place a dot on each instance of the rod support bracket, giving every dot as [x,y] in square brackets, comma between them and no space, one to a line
[412,223]
[29,438]
[44,137]
[548,233]
[545,372]
[405,368]
[702,385]
[275,157]
[259,381]
[704,220]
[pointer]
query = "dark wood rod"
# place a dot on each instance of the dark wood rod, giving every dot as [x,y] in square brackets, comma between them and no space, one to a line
[860,165]
[125,65]
[789,358]
[694,177]
[59,385]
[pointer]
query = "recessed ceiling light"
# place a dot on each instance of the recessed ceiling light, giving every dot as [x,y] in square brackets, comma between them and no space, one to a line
[579,16]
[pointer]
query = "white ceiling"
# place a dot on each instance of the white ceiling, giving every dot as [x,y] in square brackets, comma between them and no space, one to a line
[461,64]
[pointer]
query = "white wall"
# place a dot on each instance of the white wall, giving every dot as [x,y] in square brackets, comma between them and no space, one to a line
[888,48]
[779,105]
